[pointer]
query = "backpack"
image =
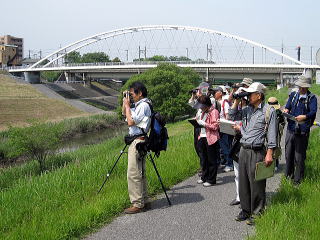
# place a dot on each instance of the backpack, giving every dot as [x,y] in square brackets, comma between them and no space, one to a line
[280,121]
[158,136]
[294,102]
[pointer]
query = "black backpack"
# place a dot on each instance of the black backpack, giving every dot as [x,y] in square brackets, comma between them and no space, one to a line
[158,136]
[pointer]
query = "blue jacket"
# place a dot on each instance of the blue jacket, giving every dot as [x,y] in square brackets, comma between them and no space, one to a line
[297,107]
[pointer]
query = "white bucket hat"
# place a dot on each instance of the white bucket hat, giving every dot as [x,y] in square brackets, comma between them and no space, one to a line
[303,82]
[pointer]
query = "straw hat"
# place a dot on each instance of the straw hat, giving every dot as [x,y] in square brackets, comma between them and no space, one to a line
[273,101]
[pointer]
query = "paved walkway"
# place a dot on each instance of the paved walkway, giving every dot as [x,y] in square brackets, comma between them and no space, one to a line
[196,212]
[44,89]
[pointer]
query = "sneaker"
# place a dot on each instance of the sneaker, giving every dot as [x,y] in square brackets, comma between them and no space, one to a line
[228,169]
[234,202]
[242,216]
[207,184]
[199,181]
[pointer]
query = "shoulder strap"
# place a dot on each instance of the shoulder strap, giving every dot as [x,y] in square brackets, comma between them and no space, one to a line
[267,114]
[150,106]
[309,96]
[294,99]
[222,106]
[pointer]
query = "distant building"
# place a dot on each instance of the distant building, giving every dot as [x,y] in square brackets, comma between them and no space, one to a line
[8,55]
[10,40]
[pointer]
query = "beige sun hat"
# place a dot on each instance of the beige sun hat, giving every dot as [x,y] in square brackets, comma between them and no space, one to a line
[273,101]
[303,82]
[246,81]
[255,87]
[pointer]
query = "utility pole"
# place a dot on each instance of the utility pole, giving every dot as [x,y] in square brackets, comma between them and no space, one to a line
[127,53]
[139,54]
[145,52]
[252,55]
[282,52]
[209,51]
[299,52]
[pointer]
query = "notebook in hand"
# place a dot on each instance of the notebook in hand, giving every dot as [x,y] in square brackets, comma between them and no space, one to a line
[194,123]
[263,172]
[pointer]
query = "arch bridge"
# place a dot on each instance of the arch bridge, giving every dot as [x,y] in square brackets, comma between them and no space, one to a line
[216,56]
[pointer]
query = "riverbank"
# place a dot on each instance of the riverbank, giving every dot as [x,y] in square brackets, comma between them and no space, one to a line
[65,131]
[21,104]
[63,202]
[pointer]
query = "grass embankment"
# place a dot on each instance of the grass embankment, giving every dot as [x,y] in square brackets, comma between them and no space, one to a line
[20,104]
[64,203]
[281,94]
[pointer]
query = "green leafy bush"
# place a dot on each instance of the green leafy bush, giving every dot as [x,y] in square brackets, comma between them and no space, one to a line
[168,86]
[36,142]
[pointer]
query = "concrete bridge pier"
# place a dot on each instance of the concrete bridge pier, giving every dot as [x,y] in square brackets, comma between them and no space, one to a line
[32,77]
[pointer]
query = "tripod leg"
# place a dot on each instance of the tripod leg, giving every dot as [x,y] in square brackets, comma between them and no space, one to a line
[114,165]
[160,180]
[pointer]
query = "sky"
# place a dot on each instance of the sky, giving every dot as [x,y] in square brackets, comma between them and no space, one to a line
[47,25]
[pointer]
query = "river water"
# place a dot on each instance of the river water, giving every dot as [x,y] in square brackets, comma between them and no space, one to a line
[90,138]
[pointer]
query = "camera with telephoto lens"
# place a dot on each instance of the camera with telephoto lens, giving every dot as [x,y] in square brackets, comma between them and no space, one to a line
[193,91]
[240,95]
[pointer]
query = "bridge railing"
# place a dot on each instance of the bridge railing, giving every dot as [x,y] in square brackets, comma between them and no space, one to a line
[114,64]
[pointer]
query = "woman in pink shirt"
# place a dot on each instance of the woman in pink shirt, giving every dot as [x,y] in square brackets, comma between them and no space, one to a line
[208,144]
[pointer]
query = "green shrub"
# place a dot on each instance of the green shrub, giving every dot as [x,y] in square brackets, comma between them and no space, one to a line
[168,86]
[37,142]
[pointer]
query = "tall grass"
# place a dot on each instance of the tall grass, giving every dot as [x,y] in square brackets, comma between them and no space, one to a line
[66,129]
[64,203]
[281,94]
[294,211]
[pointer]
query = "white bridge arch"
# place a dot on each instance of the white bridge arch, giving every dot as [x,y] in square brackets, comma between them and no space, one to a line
[55,56]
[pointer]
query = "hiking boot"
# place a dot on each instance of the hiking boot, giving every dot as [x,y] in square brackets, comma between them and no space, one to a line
[242,216]
[234,202]
[133,210]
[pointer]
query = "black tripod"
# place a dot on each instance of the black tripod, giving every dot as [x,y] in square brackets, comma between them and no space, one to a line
[151,158]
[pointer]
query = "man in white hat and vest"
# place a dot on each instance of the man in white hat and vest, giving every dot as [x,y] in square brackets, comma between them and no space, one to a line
[303,106]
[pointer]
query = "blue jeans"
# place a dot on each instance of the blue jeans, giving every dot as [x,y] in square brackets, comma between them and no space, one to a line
[225,145]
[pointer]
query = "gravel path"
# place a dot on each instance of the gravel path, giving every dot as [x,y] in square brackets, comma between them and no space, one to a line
[196,212]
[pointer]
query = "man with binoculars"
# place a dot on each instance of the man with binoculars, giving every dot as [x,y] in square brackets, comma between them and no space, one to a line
[137,111]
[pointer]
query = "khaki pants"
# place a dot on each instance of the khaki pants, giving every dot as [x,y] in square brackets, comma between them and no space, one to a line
[137,182]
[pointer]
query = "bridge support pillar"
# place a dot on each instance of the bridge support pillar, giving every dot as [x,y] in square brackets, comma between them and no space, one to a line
[32,77]
[66,74]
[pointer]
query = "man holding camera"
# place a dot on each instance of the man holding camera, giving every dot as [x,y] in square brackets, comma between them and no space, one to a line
[255,131]
[138,118]
[303,106]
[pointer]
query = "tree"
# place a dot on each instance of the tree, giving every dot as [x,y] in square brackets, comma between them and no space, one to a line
[116,59]
[157,58]
[168,86]
[95,57]
[73,57]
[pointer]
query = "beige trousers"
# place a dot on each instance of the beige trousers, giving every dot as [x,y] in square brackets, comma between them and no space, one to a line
[137,182]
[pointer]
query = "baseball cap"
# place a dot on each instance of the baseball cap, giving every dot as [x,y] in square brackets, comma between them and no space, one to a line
[255,87]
